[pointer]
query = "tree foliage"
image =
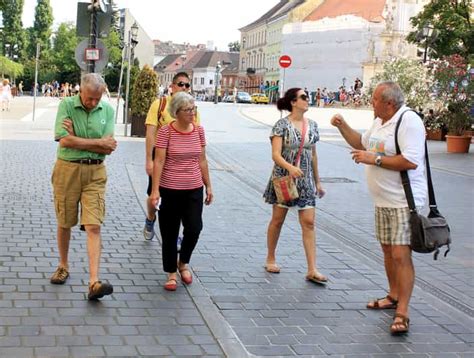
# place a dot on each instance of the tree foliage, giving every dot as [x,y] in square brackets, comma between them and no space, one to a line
[9,68]
[452,22]
[234,46]
[144,91]
[13,44]
[411,75]
[64,48]
[41,31]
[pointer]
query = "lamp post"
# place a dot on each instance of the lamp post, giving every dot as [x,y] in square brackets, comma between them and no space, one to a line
[216,87]
[427,32]
[132,42]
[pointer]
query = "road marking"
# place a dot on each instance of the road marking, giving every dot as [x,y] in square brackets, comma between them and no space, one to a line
[29,116]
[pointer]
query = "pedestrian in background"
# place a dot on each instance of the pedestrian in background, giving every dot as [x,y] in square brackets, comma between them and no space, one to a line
[158,116]
[84,129]
[5,95]
[180,173]
[376,149]
[286,137]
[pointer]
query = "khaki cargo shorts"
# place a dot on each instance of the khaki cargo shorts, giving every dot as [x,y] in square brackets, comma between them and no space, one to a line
[75,183]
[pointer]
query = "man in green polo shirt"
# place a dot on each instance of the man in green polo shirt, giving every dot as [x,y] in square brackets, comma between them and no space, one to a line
[84,129]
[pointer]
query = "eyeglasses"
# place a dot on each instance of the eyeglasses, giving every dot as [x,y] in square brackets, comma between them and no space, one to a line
[183,84]
[189,110]
[303,97]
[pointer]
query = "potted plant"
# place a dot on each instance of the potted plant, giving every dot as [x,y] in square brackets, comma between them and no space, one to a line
[435,127]
[144,92]
[454,92]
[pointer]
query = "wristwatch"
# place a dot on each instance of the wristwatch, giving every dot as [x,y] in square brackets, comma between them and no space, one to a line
[378,160]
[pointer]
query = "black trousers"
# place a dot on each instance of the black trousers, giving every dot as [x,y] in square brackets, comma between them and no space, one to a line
[179,207]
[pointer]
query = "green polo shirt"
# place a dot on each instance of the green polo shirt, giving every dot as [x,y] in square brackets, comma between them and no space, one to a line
[97,123]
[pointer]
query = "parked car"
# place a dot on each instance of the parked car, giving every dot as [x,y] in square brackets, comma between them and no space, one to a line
[243,97]
[228,99]
[260,98]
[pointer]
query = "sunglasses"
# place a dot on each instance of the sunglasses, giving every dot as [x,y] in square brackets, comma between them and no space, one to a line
[189,110]
[183,84]
[303,97]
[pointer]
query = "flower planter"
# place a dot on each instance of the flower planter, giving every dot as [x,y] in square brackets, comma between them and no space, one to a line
[435,134]
[458,144]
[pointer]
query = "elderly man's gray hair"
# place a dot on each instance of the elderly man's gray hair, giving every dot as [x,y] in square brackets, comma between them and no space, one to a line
[179,101]
[93,81]
[392,92]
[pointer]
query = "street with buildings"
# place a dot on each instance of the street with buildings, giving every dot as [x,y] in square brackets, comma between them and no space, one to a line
[234,308]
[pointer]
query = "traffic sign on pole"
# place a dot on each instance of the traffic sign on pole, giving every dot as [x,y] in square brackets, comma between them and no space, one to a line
[284,61]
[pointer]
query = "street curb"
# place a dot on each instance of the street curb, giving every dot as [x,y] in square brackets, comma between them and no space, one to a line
[220,329]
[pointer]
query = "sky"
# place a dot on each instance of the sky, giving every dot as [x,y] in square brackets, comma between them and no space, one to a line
[192,21]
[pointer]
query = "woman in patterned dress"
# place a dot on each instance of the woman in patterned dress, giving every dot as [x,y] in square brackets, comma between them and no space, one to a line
[286,138]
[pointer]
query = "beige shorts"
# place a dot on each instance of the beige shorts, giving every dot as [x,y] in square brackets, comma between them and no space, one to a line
[75,183]
[392,226]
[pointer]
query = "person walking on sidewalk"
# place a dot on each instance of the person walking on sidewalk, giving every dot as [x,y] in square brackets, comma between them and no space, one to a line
[158,116]
[376,149]
[84,129]
[180,171]
[286,139]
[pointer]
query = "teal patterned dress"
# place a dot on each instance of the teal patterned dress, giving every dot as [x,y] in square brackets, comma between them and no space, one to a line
[291,144]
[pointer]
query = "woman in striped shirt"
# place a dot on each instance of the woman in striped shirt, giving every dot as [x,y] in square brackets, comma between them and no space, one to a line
[180,172]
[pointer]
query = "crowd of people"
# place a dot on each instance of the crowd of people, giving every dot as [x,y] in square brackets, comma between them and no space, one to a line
[180,182]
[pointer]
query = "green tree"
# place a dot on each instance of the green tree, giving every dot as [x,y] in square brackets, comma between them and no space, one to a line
[144,91]
[452,22]
[64,47]
[112,71]
[41,31]
[234,46]
[13,45]
[413,78]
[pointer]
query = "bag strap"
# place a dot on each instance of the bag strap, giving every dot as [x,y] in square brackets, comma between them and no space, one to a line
[161,108]
[303,137]
[404,174]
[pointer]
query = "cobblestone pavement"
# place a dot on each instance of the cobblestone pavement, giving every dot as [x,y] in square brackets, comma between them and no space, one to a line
[234,308]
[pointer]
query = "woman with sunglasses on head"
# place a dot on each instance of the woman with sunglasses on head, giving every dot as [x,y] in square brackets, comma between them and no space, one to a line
[286,137]
[180,172]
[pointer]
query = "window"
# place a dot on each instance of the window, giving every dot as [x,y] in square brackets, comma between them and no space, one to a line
[210,82]
[202,80]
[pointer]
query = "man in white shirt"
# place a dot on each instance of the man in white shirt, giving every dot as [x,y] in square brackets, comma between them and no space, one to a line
[376,149]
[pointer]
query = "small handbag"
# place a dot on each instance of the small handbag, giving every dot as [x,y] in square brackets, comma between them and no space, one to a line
[428,233]
[285,187]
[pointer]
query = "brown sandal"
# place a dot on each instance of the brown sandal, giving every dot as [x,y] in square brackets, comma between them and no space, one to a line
[404,323]
[374,305]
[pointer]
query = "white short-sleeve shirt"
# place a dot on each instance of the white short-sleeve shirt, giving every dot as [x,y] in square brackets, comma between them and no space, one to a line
[385,185]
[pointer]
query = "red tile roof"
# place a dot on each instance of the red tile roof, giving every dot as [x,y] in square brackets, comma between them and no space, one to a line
[371,10]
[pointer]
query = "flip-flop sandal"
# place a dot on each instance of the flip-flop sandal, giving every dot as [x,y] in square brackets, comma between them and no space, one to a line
[404,323]
[272,268]
[171,285]
[187,280]
[317,278]
[392,305]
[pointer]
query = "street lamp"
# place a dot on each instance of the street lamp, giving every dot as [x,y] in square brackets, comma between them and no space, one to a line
[427,33]
[132,42]
[218,69]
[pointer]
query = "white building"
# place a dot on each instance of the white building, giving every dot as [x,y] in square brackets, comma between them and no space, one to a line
[345,39]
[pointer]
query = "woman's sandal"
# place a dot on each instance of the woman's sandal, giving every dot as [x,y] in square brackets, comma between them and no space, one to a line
[171,284]
[186,279]
[374,305]
[318,278]
[400,326]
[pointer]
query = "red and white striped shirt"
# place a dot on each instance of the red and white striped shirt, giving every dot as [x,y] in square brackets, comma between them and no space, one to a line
[181,170]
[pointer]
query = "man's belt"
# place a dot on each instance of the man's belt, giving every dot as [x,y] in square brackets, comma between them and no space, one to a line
[87,161]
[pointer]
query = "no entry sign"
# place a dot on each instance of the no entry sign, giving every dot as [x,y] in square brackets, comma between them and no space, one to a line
[285,61]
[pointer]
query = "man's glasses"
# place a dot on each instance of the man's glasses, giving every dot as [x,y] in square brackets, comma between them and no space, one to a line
[183,84]
[303,97]
[189,110]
